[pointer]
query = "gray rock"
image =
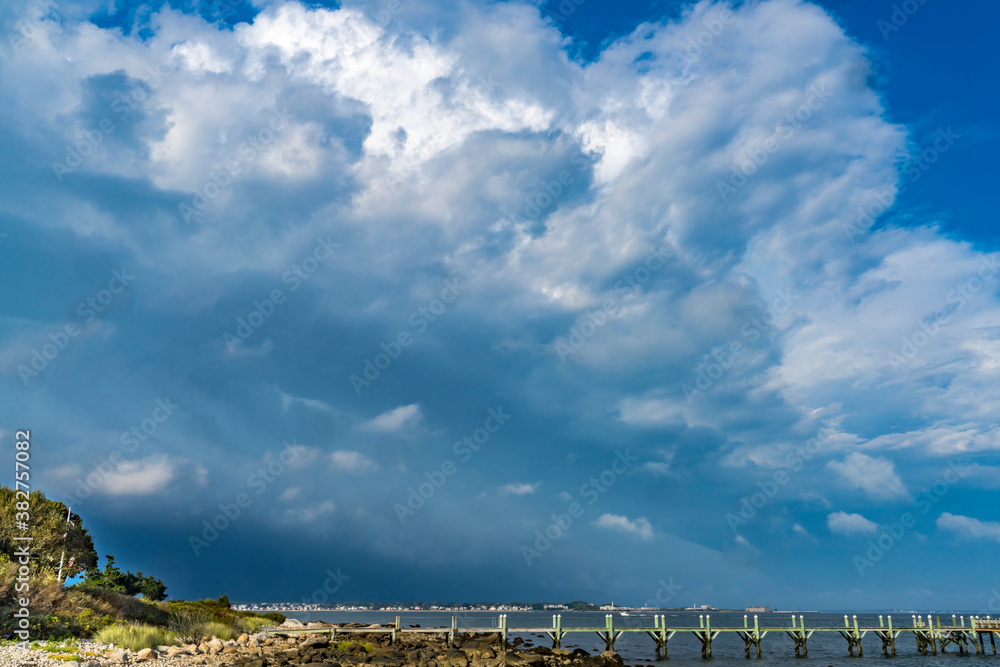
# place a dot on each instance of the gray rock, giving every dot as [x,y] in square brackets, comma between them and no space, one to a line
[147,654]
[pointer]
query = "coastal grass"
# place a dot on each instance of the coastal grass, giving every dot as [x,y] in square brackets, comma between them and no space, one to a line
[344,646]
[65,657]
[136,636]
[188,618]
[251,624]
[220,630]
[71,644]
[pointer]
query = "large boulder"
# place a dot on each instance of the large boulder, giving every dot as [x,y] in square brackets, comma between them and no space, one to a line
[452,658]
[607,659]
[475,650]
[317,641]
[146,654]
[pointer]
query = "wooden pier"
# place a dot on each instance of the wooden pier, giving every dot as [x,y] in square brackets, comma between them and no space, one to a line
[929,633]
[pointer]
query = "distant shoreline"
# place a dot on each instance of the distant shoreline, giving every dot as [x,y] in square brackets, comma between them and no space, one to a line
[540,611]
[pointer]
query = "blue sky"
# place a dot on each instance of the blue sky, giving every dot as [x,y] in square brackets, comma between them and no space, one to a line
[503,301]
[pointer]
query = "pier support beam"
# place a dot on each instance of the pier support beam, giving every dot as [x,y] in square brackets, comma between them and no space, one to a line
[660,635]
[751,638]
[800,636]
[853,636]
[888,636]
[609,635]
[705,635]
[926,637]
[557,632]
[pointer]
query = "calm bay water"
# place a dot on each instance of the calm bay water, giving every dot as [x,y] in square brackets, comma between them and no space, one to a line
[825,648]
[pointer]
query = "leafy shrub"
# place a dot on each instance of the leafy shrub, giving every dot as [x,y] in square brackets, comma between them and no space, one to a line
[275,616]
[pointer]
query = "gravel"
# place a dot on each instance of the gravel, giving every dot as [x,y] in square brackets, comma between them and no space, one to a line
[105,656]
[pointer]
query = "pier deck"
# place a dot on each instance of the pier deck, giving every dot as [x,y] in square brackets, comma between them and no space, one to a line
[929,633]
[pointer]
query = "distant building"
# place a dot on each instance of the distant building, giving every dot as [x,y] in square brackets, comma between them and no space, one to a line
[759,610]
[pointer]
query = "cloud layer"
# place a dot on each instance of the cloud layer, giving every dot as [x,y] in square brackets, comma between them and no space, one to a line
[441,260]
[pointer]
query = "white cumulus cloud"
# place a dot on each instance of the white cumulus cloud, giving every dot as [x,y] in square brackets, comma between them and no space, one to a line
[876,476]
[403,418]
[351,461]
[640,527]
[969,527]
[139,478]
[850,524]
[519,489]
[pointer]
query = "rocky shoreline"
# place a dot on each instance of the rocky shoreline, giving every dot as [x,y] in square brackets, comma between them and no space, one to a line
[316,650]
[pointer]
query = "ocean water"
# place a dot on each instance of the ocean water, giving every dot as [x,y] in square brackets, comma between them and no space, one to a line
[825,648]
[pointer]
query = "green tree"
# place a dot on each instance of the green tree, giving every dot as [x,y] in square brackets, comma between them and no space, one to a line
[116,579]
[51,533]
[151,588]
